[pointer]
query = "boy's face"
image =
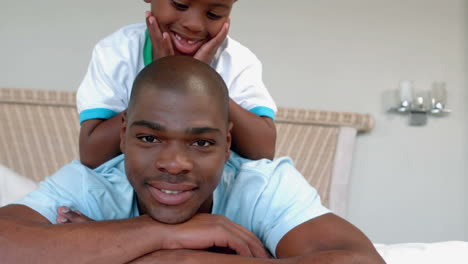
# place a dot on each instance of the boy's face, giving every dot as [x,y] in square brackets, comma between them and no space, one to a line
[175,148]
[191,23]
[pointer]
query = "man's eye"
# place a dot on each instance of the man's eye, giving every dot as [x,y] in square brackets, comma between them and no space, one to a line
[213,16]
[179,5]
[149,139]
[202,143]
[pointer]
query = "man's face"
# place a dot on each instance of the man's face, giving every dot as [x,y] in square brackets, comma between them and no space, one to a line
[175,147]
[191,23]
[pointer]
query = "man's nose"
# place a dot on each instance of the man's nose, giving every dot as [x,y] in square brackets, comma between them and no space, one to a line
[174,160]
[194,22]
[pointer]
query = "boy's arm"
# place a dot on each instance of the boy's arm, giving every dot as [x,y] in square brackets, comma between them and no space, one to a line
[326,239]
[100,140]
[253,136]
[26,236]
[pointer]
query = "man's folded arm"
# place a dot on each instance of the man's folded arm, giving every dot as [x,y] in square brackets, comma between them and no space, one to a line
[27,236]
[325,239]
[117,241]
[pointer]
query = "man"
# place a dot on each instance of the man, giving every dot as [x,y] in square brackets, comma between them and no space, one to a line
[177,192]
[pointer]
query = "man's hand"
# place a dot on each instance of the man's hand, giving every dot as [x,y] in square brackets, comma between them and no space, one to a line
[187,256]
[179,256]
[204,231]
[162,43]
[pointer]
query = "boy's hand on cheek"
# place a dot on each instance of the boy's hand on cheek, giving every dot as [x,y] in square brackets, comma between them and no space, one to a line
[208,50]
[162,44]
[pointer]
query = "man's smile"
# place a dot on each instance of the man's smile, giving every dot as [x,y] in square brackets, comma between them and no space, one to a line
[172,194]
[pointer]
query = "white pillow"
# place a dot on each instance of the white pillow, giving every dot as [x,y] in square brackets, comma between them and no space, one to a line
[13,186]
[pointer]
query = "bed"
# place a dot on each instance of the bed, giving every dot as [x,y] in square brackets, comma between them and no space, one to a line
[40,134]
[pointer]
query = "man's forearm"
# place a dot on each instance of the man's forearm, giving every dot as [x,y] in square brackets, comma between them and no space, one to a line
[118,241]
[204,257]
[186,256]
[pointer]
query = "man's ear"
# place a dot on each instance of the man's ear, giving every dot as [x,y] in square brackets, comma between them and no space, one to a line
[229,140]
[123,130]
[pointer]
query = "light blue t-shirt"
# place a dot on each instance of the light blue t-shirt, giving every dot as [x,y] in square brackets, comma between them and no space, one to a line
[269,198]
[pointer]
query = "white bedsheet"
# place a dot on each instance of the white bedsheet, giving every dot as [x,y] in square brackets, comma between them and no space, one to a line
[13,186]
[449,252]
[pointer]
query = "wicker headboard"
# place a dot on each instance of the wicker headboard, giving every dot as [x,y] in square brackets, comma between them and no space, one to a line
[40,134]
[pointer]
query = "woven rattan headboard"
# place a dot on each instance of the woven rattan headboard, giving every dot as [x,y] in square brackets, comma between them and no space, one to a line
[40,134]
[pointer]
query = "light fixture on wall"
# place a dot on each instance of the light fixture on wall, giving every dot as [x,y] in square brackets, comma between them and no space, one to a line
[419,105]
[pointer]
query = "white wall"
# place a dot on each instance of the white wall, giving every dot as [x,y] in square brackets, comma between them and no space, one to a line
[408,183]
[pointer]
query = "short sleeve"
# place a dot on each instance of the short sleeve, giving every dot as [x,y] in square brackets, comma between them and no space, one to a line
[99,95]
[103,193]
[64,188]
[287,201]
[251,92]
[242,72]
[115,62]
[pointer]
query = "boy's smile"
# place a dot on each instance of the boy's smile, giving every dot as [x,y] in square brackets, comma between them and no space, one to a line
[184,44]
[191,23]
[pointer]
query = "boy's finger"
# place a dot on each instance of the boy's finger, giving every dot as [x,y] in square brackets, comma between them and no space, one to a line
[154,31]
[208,50]
[63,210]
[220,37]
[164,45]
[155,35]
[62,220]
[168,41]
[67,215]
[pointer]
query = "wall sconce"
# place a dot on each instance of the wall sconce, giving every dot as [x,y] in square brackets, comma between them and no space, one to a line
[419,106]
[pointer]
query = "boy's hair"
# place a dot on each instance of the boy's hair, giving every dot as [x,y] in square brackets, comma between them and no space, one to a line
[182,74]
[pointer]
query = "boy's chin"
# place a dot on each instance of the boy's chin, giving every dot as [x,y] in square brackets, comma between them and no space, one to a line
[179,53]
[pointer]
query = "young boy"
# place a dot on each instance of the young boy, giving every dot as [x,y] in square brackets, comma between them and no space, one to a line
[195,28]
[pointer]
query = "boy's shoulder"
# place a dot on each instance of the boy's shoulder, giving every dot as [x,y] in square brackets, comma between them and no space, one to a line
[233,59]
[236,51]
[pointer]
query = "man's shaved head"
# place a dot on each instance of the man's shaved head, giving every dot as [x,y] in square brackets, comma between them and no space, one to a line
[182,74]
